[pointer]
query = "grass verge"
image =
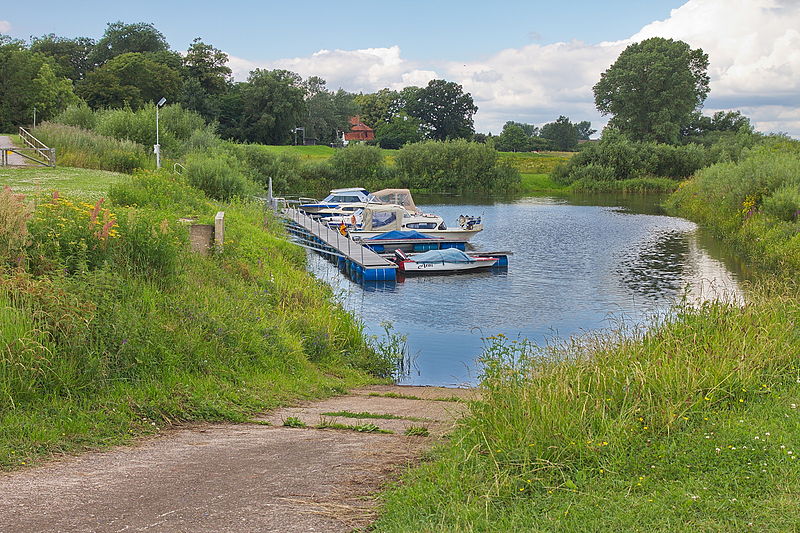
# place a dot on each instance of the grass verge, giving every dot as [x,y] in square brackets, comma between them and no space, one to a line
[111,328]
[691,427]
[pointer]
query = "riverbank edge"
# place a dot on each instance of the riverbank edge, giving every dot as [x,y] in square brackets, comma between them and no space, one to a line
[38,425]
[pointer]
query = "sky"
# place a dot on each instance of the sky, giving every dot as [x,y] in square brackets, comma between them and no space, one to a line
[528,61]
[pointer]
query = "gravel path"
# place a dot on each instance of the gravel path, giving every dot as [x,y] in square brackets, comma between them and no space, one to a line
[13,159]
[242,478]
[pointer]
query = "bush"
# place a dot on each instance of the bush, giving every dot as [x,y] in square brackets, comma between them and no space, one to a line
[78,115]
[151,246]
[14,216]
[784,203]
[218,175]
[453,166]
[157,189]
[358,163]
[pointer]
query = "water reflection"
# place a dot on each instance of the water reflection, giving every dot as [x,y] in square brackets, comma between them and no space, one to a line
[577,266]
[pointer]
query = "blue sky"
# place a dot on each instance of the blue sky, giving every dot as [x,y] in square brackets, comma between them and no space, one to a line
[425,30]
[525,61]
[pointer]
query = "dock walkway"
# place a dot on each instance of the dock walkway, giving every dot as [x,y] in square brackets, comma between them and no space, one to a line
[351,254]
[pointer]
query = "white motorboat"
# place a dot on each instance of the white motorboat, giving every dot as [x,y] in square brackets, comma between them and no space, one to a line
[375,220]
[340,202]
[441,261]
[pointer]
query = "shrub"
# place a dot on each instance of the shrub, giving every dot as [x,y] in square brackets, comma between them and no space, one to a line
[784,203]
[78,115]
[157,189]
[218,175]
[358,163]
[452,165]
[150,246]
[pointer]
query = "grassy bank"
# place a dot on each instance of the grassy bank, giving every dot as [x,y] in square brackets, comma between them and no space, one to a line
[111,328]
[692,425]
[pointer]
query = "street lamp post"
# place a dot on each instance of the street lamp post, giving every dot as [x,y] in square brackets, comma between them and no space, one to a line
[157,147]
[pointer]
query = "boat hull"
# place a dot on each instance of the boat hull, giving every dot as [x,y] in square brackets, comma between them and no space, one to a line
[412,267]
[452,235]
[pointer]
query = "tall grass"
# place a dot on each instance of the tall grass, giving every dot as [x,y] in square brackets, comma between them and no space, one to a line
[76,147]
[752,203]
[663,427]
[108,331]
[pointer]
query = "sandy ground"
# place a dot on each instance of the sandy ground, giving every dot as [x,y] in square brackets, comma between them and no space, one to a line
[14,160]
[226,477]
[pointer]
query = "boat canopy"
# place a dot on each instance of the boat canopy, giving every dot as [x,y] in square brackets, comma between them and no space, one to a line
[402,235]
[397,197]
[448,255]
[383,217]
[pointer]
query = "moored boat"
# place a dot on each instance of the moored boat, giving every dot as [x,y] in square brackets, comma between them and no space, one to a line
[441,261]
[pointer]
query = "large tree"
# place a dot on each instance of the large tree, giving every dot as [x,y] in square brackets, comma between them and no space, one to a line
[120,38]
[70,55]
[207,65]
[131,79]
[653,88]
[444,109]
[562,134]
[273,106]
[28,81]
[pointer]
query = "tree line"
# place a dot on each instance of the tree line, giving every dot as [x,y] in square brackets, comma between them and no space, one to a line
[132,66]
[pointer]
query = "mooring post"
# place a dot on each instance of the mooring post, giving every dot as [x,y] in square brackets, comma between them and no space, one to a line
[219,231]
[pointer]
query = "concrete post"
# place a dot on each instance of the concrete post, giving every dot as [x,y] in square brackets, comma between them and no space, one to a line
[219,231]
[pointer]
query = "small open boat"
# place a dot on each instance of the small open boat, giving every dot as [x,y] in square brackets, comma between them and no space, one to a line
[441,261]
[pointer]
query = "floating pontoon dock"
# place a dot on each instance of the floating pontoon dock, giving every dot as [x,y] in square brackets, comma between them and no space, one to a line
[353,256]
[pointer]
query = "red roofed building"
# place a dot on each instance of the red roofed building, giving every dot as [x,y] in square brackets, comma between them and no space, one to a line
[359,131]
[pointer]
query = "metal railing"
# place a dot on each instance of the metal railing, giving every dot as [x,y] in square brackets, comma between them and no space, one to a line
[47,154]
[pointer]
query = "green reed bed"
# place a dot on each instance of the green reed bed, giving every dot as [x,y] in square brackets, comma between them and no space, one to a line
[110,327]
[692,426]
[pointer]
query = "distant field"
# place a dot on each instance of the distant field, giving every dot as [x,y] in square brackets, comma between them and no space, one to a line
[78,182]
[525,162]
[535,162]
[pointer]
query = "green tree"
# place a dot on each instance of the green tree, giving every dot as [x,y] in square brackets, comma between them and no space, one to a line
[120,38]
[130,79]
[378,107]
[70,55]
[444,109]
[28,81]
[652,89]
[52,94]
[707,130]
[584,130]
[399,131]
[207,65]
[562,134]
[273,104]
[328,112]
[513,139]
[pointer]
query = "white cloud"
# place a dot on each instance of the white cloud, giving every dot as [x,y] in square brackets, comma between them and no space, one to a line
[5,26]
[753,48]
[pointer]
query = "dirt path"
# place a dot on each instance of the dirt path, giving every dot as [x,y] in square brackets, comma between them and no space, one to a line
[242,478]
[14,160]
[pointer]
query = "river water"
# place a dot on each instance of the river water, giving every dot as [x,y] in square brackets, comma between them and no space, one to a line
[581,264]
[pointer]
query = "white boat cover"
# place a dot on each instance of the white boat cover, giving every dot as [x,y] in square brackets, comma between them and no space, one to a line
[397,197]
[448,255]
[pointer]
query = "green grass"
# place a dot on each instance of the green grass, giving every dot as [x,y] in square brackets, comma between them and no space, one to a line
[75,182]
[533,183]
[412,397]
[383,416]
[692,427]
[360,428]
[105,340]
[533,162]
[416,431]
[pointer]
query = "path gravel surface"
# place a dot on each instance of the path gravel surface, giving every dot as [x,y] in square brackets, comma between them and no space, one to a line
[236,477]
[14,160]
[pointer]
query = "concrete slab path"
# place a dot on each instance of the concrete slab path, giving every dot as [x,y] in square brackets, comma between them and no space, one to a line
[237,477]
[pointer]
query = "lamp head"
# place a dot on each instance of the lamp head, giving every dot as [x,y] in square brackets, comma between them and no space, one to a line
[161,102]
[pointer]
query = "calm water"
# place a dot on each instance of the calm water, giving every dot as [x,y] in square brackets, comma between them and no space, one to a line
[580,264]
